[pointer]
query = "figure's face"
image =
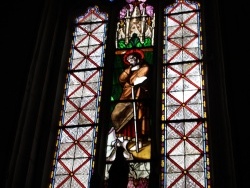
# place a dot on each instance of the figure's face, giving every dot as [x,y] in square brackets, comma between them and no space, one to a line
[132,60]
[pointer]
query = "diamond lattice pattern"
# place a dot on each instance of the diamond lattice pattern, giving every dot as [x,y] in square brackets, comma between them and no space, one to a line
[80,115]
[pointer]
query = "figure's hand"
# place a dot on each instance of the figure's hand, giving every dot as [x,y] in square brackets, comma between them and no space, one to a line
[139,80]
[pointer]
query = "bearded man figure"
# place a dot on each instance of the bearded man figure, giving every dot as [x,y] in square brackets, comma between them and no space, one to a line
[130,115]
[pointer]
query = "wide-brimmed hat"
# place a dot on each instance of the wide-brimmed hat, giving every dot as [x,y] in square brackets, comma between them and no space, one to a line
[133,51]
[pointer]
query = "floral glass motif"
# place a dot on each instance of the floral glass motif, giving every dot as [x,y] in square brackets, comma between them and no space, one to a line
[136,25]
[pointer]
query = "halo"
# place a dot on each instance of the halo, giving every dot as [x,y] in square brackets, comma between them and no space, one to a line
[129,52]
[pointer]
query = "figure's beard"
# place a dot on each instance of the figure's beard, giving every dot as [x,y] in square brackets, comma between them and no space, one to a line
[135,67]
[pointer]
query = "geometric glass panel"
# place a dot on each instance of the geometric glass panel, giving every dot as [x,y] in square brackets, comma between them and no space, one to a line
[74,157]
[185,158]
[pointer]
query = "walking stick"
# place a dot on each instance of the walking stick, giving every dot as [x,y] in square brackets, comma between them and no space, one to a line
[138,81]
[135,122]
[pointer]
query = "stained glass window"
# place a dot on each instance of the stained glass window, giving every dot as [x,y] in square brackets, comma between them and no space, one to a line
[185,161]
[131,93]
[131,122]
[78,129]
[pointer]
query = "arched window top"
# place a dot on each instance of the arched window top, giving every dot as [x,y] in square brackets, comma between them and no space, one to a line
[136,9]
[92,15]
[181,6]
